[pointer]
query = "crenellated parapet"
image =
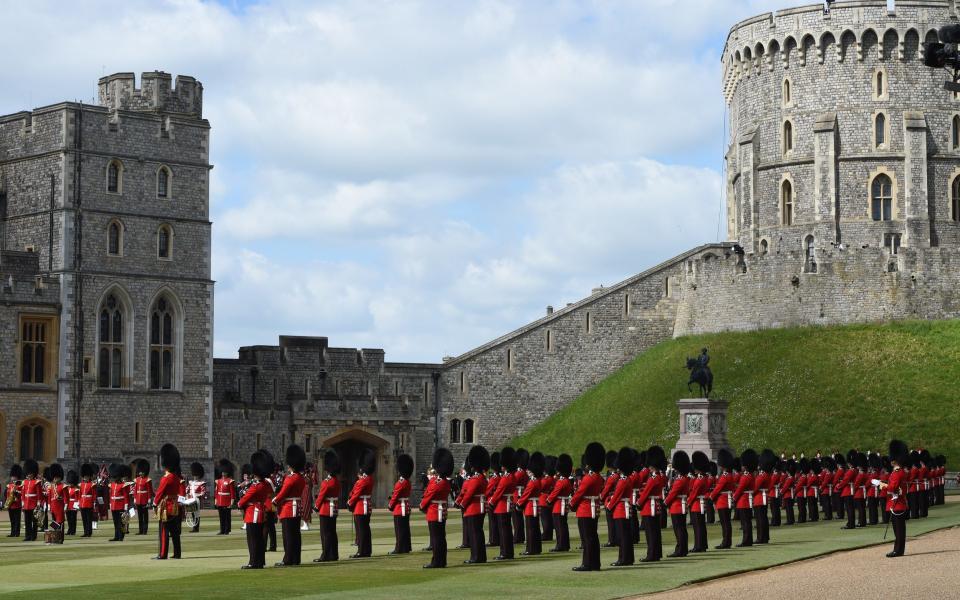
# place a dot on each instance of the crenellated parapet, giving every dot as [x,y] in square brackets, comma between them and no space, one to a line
[157,93]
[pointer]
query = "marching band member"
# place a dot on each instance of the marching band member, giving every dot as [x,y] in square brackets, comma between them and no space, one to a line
[253,505]
[492,482]
[289,501]
[30,497]
[586,501]
[743,495]
[143,495]
[559,499]
[196,492]
[677,502]
[399,504]
[166,502]
[56,500]
[897,488]
[434,504]
[699,488]
[546,485]
[619,503]
[360,502]
[13,499]
[649,501]
[72,497]
[529,502]
[328,497]
[225,496]
[502,502]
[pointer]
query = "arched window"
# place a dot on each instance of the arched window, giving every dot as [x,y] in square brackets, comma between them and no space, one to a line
[468,431]
[786,203]
[33,440]
[163,182]
[881,198]
[455,431]
[881,84]
[880,130]
[787,92]
[115,239]
[115,177]
[112,353]
[955,133]
[163,350]
[34,347]
[165,242]
[810,250]
[787,137]
[955,199]
[764,247]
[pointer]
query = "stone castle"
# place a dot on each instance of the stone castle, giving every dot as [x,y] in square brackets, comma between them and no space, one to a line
[843,204]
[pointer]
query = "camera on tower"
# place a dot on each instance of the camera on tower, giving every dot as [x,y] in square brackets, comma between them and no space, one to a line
[945,54]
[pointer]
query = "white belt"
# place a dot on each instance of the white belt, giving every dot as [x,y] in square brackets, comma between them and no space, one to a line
[764,497]
[296,512]
[116,497]
[221,493]
[403,506]
[483,504]
[333,506]
[256,514]
[703,501]
[633,495]
[563,504]
[750,498]
[441,507]
[851,488]
[509,499]
[729,499]
[87,496]
[816,492]
[626,505]
[776,491]
[653,507]
[593,505]
[536,506]
[366,505]
[683,504]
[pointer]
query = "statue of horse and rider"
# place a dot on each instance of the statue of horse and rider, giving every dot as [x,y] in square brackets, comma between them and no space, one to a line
[700,373]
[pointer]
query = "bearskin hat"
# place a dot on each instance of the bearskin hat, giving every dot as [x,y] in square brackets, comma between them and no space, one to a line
[852,458]
[246,470]
[564,465]
[841,461]
[941,460]
[479,459]
[143,467]
[714,469]
[443,462]
[701,462]
[296,458]
[654,454]
[262,464]
[273,462]
[367,462]
[803,465]
[169,457]
[495,462]
[72,477]
[508,459]
[405,466]
[86,470]
[523,458]
[814,465]
[899,453]
[926,458]
[197,470]
[875,461]
[551,468]
[768,460]
[226,468]
[331,462]
[31,468]
[792,467]
[725,459]
[625,460]
[639,460]
[862,461]
[56,471]
[46,474]
[115,471]
[749,459]
[886,464]
[594,456]
[536,464]
[681,462]
[16,471]
[127,472]
[612,459]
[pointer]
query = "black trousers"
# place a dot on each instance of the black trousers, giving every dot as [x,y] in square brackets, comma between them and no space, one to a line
[71,522]
[170,535]
[534,544]
[225,520]
[625,539]
[699,521]
[401,531]
[801,510]
[562,529]
[873,511]
[30,524]
[506,534]
[256,545]
[788,508]
[746,525]
[86,517]
[464,542]
[826,508]
[14,522]
[613,532]
[849,508]
[680,532]
[328,539]
[269,531]
[494,522]
[292,542]
[634,527]
[143,519]
[861,512]
[438,541]
[518,532]
[763,525]
[651,531]
[775,512]
[711,512]
[117,525]
[726,527]
[899,523]
[923,500]
[546,524]
[837,502]
[474,527]
[813,510]
[914,503]
[885,515]
[364,543]
[590,540]
[663,515]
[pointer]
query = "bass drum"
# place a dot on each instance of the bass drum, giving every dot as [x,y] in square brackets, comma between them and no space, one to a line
[192,516]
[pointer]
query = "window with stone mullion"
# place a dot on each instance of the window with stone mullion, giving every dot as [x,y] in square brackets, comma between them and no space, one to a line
[161,347]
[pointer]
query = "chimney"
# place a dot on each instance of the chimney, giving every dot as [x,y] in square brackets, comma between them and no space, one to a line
[549,310]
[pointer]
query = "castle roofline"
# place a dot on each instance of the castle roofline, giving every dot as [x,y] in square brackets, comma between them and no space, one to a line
[96,108]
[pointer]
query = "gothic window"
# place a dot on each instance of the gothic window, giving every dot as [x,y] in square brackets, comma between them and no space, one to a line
[880,84]
[165,242]
[955,133]
[626,305]
[162,346]
[786,203]
[787,137]
[880,91]
[787,92]
[115,177]
[880,130]
[548,340]
[33,441]
[891,241]
[455,431]
[115,239]
[463,383]
[588,323]
[35,337]
[163,182]
[468,431]
[110,372]
[955,199]
[511,363]
[881,198]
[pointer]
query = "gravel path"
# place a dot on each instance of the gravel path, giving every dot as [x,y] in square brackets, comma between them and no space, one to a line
[929,570]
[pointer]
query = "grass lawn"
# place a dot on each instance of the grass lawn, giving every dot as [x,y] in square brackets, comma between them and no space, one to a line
[210,567]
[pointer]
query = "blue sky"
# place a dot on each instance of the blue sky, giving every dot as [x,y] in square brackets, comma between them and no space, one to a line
[419,176]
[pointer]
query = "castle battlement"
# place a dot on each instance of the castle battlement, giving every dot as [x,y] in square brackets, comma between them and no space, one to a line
[157,92]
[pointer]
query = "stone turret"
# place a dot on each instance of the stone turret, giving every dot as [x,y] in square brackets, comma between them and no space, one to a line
[157,93]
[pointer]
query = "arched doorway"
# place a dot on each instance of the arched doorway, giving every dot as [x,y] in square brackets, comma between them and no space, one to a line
[349,444]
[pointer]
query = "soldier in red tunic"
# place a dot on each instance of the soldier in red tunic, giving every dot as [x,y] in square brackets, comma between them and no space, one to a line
[118,501]
[619,504]
[30,497]
[502,502]
[896,489]
[434,504]
[586,501]
[650,502]
[610,481]
[166,502]
[761,495]
[546,486]
[529,502]
[12,499]
[57,503]
[678,502]
[787,484]
[743,495]
[559,500]
[520,479]
[253,505]
[88,498]
[225,495]
[142,495]
[289,502]
[493,541]
[327,507]
[360,502]
[399,505]
[72,495]
[699,488]
[722,497]
[472,500]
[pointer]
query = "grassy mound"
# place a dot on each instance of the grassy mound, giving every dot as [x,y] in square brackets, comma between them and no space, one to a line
[791,389]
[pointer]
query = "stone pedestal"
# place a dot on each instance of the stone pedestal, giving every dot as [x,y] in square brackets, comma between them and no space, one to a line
[703,426]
